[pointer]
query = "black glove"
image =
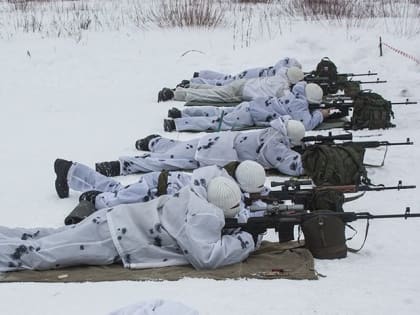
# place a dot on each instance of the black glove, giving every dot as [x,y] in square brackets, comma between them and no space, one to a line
[184,84]
[89,195]
[165,94]
[336,115]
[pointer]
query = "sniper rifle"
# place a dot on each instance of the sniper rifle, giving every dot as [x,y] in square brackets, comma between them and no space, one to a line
[330,140]
[344,106]
[292,190]
[369,73]
[331,86]
[284,221]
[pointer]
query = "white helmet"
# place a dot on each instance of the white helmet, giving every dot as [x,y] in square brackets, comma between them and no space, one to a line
[295,131]
[313,93]
[294,74]
[225,194]
[250,176]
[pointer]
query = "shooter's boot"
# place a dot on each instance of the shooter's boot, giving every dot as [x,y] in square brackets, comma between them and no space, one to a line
[169,125]
[165,94]
[61,169]
[174,113]
[110,169]
[143,143]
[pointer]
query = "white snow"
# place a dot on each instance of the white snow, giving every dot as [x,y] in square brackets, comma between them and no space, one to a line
[88,100]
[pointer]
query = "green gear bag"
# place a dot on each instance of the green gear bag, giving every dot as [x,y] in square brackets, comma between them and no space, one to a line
[371,111]
[327,68]
[326,199]
[325,235]
[351,88]
[231,168]
[335,164]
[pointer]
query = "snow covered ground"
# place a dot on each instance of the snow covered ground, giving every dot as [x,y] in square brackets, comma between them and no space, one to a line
[88,99]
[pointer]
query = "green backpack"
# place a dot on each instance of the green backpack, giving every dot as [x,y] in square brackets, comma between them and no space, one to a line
[325,235]
[335,164]
[351,88]
[326,68]
[371,111]
[325,199]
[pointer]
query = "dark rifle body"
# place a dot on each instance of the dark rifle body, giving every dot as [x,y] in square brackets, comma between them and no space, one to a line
[369,73]
[284,222]
[341,79]
[292,191]
[339,83]
[330,140]
[364,144]
[356,74]
[344,106]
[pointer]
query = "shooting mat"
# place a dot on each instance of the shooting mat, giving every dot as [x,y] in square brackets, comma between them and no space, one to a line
[271,261]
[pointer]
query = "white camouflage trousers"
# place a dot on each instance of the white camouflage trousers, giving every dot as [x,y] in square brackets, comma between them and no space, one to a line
[165,154]
[203,118]
[82,178]
[86,243]
[210,93]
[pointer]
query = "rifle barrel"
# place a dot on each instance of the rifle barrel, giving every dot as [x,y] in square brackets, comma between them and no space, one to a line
[369,188]
[367,215]
[354,188]
[349,188]
[374,144]
[403,103]
[357,74]
[396,143]
[368,82]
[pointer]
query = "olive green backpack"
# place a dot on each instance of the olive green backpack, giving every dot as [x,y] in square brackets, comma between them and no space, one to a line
[326,68]
[351,88]
[335,164]
[325,235]
[326,199]
[371,111]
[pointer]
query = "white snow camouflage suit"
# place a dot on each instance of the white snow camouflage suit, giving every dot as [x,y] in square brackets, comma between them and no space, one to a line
[270,147]
[258,112]
[170,230]
[237,90]
[217,78]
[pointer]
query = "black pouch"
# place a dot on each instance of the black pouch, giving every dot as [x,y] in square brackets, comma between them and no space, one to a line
[325,235]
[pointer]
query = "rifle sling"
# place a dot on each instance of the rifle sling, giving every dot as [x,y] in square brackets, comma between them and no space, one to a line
[162,183]
[350,199]
[352,250]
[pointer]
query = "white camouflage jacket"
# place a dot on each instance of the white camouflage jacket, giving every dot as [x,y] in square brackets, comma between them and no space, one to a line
[175,230]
